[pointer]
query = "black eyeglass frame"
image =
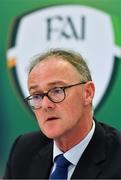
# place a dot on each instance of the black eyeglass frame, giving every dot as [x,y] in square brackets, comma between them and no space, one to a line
[46,94]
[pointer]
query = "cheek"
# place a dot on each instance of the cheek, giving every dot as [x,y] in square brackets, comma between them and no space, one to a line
[73,107]
[38,117]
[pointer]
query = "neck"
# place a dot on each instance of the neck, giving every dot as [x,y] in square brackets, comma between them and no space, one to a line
[73,138]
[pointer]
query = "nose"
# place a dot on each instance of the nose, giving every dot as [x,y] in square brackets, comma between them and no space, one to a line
[47,103]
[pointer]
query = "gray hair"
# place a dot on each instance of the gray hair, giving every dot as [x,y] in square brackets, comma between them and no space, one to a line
[70,56]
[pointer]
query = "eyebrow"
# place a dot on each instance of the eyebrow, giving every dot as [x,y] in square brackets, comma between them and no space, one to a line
[49,84]
[33,87]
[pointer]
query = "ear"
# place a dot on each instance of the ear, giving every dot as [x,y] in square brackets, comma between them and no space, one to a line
[88,93]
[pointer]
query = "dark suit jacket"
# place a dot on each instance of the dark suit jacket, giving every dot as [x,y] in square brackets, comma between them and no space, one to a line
[31,156]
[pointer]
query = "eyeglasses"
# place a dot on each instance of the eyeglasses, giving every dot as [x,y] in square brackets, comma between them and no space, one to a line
[56,95]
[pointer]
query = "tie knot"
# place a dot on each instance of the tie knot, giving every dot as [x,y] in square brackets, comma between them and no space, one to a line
[61,161]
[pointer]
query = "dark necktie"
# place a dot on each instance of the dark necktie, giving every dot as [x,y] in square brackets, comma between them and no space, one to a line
[61,170]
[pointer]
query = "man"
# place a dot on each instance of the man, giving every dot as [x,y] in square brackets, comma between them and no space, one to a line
[61,94]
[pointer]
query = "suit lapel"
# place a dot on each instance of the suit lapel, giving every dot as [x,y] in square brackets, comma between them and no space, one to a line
[41,165]
[92,161]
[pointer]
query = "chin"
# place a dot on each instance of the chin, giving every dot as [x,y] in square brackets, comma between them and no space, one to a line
[51,134]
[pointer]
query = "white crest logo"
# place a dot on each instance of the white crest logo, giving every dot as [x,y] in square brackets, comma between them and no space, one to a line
[79,28]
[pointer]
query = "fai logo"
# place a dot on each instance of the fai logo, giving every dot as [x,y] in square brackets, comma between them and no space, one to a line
[80,28]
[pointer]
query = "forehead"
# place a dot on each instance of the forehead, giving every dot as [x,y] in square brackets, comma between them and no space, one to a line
[55,64]
[53,69]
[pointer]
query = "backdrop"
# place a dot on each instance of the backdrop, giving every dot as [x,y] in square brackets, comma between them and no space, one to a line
[29,27]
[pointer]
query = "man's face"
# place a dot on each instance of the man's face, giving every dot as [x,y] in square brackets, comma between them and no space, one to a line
[67,118]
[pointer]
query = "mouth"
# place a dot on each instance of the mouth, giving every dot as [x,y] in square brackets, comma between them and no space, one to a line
[52,118]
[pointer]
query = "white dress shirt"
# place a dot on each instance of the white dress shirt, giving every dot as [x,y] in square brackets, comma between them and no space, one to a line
[74,154]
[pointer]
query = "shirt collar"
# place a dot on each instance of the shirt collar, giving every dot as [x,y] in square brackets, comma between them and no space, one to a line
[74,154]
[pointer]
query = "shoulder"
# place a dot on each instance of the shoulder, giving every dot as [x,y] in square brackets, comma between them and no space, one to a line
[110,135]
[31,142]
[27,146]
[37,137]
[108,130]
[108,148]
